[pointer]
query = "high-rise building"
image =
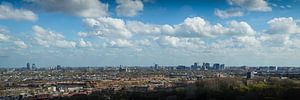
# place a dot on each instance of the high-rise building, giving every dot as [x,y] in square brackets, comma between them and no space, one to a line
[28,66]
[195,66]
[33,66]
[222,66]
[58,67]
[216,66]
[205,66]
[155,66]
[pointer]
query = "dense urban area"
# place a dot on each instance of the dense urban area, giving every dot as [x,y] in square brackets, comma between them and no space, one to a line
[198,81]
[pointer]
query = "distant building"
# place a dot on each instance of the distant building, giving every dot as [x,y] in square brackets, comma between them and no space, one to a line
[216,66]
[250,75]
[205,66]
[181,67]
[222,66]
[155,66]
[58,67]
[195,66]
[33,66]
[28,66]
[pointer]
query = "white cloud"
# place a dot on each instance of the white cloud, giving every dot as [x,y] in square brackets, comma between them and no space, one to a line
[170,41]
[198,27]
[252,5]
[11,40]
[229,13]
[83,43]
[143,42]
[108,27]
[190,27]
[276,40]
[142,28]
[240,28]
[283,25]
[129,7]
[238,42]
[82,34]
[82,8]
[8,12]
[4,37]
[21,44]
[48,38]
[120,43]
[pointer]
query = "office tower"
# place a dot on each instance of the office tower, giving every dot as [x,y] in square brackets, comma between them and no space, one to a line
[195,66]
[33,66]
[181,67]
[222,66]
[155,66]
[58,67]
[28,66]
[205,66]
[216,66]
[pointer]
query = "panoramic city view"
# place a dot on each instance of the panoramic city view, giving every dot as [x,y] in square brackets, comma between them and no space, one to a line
[149,49]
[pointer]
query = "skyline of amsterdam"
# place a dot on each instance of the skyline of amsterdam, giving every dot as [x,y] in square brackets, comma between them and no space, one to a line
[144,32]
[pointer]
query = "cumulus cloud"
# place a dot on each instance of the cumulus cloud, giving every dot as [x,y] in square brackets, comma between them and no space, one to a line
[233,12]
[119,33]
[82,8]
[251,5]
[190,27]
[240,28]
[197,26]
[283,25]
[4,37]
[8,12]
[83,43]
[177,42]
[48,38]
[108,27]
[129,8]
[21,44]
[119,43]
[82,34]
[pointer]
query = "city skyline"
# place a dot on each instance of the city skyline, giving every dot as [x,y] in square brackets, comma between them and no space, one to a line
[148,32]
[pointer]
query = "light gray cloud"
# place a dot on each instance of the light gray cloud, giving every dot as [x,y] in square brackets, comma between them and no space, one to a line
[238,7]
[8,39]
[129,8]
[233,12]
[8,12]
[4,37]
[119,43]
[252,5]
[82,8]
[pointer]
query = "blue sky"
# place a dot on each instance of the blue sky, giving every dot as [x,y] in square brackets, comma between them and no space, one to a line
[144,32]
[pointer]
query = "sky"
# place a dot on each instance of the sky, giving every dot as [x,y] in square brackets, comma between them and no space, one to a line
[147,32]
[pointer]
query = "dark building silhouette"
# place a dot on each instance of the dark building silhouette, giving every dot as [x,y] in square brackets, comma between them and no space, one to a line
[28,66]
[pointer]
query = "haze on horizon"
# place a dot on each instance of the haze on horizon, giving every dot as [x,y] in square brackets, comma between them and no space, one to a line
[144,32]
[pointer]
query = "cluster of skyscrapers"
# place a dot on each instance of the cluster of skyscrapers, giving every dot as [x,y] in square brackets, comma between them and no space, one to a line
[207,66]
[30,67]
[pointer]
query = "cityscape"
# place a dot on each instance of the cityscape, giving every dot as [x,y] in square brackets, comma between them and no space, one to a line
[149,49]
[60,82]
